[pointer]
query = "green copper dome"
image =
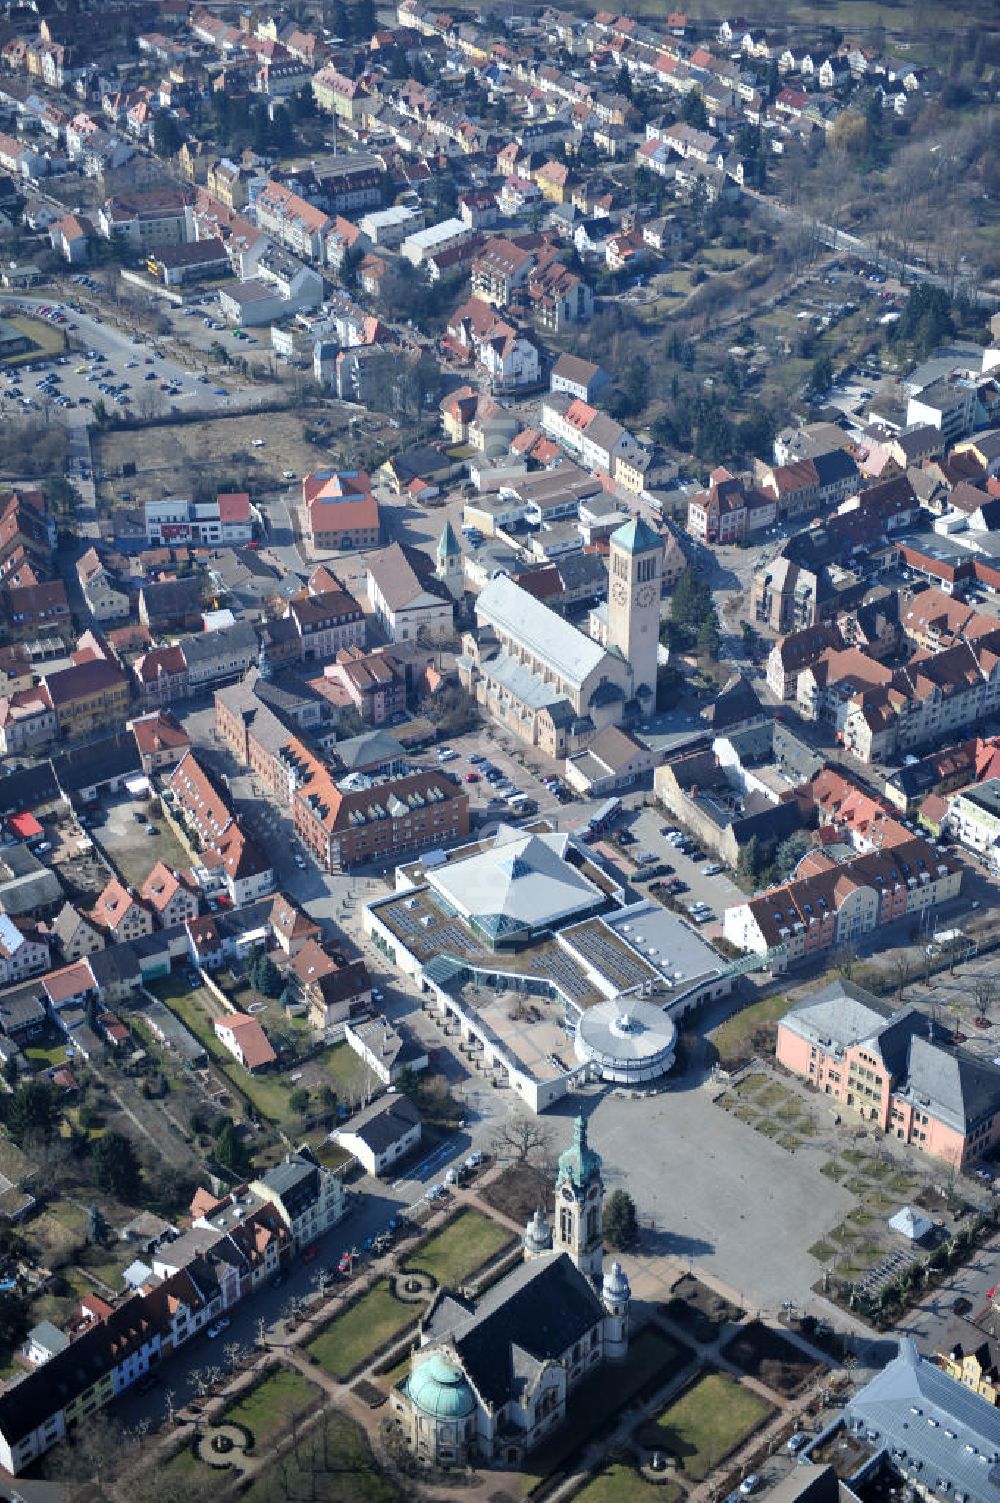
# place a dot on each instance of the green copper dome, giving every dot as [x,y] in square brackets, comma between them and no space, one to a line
[579,1163]
[438,1388]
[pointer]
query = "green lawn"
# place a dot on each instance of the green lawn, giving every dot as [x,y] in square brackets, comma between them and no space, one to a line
[331,1467]
[196,1008]
[622,1484]
[652,1361]
[43,1056]
[464,1245]
[350,1339]
[268,1409]
[734,1038]
[708,1421]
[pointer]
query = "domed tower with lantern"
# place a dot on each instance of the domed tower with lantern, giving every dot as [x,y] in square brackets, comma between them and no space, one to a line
[616,1296]
[578,1227]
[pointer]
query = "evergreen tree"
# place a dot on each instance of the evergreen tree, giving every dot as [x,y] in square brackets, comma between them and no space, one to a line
[167,138]
[230,1151]
[748,862]
[32,1112]
[693,111]
[116,1166]
[621,1222]
[708,638]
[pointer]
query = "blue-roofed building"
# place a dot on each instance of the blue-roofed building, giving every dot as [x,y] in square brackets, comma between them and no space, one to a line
[939,1435]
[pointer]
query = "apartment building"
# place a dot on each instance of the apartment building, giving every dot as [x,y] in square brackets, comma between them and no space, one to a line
[974,819]
[293,222]
[599,442]
[146,221]
[364,819]
[104,600]
[326,623]
[87,697]
[832,901]
[894,1069]
[309,1199]
[121,914]
[370,681]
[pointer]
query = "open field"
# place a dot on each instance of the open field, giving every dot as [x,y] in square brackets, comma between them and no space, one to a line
[460,1248]
[708,1421]
[182,458]
[46,339]
[268,1408]
[347,1341]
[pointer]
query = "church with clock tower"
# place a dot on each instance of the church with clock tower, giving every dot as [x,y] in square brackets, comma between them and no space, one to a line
[493,1377]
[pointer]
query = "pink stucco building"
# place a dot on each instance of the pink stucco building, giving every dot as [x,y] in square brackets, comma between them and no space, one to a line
[892,1067]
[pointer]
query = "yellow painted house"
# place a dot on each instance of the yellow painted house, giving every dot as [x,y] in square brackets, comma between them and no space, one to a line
[977,1369]
[553,179]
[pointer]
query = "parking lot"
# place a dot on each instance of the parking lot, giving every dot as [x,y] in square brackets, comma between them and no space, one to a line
[146,380]
[719,892]
[121,830]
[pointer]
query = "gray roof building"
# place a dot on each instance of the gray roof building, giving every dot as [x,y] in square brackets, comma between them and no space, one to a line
[952,1085]
[932,1429]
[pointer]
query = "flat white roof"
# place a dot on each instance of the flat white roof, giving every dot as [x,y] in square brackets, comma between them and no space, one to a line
[435,233]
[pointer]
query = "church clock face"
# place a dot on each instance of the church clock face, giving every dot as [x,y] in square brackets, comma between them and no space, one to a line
[567,1193]
[619,593]
[644,596]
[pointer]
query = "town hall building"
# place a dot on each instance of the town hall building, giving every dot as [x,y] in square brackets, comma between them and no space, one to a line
[491,1379]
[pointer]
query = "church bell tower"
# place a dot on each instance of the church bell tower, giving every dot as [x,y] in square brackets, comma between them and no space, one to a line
[580,1204]
[635,574]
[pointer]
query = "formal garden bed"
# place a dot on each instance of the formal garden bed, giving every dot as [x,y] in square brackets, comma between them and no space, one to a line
[330,1460]
[699,1311]
[763,1353]
[518,1191]
[619,1481]
[355,1337]
[463,1246]
[269,1407]
[653,1360]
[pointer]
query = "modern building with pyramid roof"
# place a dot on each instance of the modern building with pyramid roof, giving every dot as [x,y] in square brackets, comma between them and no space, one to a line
[519,886]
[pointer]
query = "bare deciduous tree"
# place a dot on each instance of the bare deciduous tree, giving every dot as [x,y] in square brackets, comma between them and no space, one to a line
[520,1138]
